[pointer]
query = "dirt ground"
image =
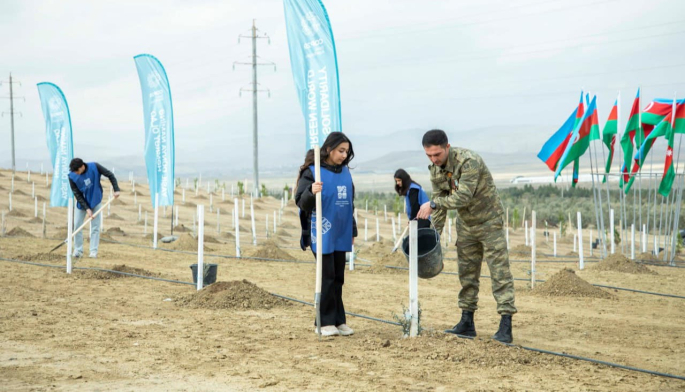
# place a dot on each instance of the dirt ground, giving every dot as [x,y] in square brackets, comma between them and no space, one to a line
[92,331]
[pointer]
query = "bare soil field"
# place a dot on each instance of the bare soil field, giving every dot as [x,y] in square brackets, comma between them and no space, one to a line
[94,330]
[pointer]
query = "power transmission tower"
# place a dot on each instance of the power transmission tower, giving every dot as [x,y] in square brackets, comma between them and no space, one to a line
[254,36]
[11,113]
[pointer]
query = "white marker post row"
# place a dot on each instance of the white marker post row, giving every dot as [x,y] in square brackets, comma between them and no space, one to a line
[533,248]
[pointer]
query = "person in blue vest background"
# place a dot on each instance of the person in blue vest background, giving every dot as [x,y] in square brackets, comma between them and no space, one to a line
[414,196]
[84,179]
[338,225]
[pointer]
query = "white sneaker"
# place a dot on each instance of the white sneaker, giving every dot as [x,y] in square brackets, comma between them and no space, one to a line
[78,255]
[345,330]
[328,330]
[93,255]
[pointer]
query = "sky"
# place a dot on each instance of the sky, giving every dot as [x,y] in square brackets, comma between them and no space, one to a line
[475,69]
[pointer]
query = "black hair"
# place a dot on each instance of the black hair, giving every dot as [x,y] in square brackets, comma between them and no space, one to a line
[333,140]
[406,182]
[435,137]
[308,161]
[76,164]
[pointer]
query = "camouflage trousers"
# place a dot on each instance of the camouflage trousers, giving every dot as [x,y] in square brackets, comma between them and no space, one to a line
[484,242]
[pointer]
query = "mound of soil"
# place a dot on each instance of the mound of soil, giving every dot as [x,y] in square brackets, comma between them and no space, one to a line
[288,225]
[228,234]
[523,251]
[202,197]
[619,263]
[211,240]
[41,198]
[60,234]
[139,193]
[159,237]
[566,283]
[376,250]
[58,256]
[291,202]
[256,207]
[574,254]
[181,229]
[16,213]
[19,232]
[188,243]
[19,192]
[118,202]
[35,219]
[269,250]
[232,295]
[189,204]
[105,275]
[115,231]
[114,217]
[646,256]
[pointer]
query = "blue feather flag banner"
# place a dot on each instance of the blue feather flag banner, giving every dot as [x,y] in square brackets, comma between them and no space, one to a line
[315,68]
[159,128]
[59,139]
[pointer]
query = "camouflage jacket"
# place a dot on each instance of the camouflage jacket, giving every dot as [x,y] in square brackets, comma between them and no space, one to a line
[464,184]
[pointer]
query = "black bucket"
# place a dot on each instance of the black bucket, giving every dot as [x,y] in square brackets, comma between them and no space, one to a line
[209,276]
[429,252]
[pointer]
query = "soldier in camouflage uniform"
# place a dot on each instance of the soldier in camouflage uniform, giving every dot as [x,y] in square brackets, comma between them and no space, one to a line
[461,181]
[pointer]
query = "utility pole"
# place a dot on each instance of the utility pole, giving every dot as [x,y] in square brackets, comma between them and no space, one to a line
[254,89]
[11,113]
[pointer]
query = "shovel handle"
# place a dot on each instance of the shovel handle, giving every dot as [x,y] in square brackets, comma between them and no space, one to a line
[89,219]
[399,241]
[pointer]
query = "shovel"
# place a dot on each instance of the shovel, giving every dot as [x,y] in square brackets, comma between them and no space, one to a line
[82,226]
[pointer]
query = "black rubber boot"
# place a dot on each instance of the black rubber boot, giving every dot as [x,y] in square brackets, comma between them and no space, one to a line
[466,326]
[504,334]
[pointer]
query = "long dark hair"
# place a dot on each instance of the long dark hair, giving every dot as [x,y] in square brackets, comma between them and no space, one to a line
[406,182]
[308,161]
[333,140]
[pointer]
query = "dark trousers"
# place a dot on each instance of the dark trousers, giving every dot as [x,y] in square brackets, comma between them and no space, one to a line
[332,280]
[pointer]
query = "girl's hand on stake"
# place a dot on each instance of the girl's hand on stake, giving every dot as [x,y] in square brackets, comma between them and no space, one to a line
[316,187]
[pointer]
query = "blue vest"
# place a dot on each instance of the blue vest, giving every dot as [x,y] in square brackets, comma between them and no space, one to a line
[422,198]
[336,203]
[89,184]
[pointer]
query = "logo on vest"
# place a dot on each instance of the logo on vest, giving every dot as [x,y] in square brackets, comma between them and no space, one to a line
[325,227]
[342,192]
[87,182]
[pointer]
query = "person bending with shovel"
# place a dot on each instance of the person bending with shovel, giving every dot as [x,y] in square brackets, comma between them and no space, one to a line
[84,179]
[338,225]
[461,181]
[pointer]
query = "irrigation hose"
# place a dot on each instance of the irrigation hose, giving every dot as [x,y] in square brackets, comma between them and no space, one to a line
[576,357]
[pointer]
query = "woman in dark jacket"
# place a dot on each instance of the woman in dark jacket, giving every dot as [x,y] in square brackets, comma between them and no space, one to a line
[415,196]
[339,227]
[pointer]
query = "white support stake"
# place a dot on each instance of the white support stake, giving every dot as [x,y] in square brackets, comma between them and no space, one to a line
[555,244]
[218,220]
[10,201]
[533,246]
[266,225]
[581,262]
[237,227]
[140,212]
[70,231]
[413,278]
[590,242]
[254,228]
[274,222]
[200,246]
[176,216]
[525,230]
[611,227]
[394,230]
[378,230]
[243,208]
[184,196]
[33,190]
[154,229]
[632,241]
[366,230]
[35,207]
[644,238]
[352,259]
[385,212]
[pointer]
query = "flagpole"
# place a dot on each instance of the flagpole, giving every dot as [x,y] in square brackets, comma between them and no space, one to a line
[606,175]
[638,144]
[680,191]
[621,193]
[602,235]
[599,218]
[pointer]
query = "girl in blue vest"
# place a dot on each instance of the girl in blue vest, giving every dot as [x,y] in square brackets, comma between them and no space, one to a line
[338,225]
[414,195]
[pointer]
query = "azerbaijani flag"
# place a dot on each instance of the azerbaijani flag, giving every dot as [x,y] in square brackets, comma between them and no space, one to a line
[609,136]
[669,171]
[628,138]
[576,169]
[554,148]
[581,139]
